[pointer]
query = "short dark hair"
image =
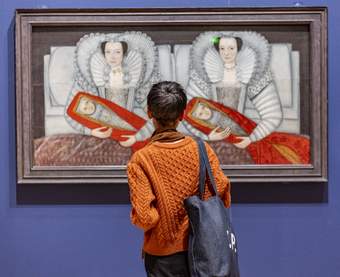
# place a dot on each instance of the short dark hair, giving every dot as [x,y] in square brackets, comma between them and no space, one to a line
[239,42]
[166,101]
[123,43]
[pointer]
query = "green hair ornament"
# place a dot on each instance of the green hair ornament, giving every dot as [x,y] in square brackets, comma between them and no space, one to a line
[215,40]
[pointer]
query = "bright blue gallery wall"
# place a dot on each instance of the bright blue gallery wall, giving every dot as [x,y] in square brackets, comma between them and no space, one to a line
[275,240]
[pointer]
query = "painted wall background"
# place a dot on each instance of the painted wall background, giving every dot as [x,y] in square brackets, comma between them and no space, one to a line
[291,240]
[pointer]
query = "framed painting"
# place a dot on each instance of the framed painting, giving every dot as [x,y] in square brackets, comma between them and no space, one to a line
[82,77]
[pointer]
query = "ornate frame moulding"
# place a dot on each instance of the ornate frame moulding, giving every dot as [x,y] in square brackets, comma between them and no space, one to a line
[299,33]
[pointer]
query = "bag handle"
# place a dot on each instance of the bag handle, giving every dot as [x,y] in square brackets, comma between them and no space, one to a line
[204,168]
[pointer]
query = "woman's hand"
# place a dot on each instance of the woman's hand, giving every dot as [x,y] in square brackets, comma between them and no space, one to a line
[101,132]
[131,140]
[245,141]
[215,135]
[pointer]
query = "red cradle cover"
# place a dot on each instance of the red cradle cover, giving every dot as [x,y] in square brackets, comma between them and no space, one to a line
[134,120]
[276,148]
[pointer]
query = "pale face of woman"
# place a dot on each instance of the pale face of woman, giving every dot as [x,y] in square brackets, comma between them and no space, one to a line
[202,112]
[113,53]
[228,50]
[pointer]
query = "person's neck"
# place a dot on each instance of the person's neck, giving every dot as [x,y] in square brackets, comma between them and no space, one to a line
[116,68]
[230,66]
[159,127]
[167,134]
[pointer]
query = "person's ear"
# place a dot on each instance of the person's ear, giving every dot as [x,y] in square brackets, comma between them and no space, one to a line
[149,113]
[181,116]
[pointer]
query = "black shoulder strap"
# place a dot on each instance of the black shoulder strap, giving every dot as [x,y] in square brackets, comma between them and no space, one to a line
[204,168]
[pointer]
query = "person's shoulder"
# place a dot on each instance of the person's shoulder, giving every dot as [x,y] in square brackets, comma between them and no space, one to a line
[193,141]
[139,154]
[206,144]
[211,152]
[190,142]
[190,139]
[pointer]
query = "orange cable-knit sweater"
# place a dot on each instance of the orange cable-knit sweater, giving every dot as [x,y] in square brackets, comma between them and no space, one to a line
[161,175]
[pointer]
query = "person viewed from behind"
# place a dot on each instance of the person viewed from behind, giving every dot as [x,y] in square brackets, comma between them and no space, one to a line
[161,175]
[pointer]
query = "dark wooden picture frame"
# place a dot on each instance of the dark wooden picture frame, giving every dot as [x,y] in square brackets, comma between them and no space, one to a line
[279,24]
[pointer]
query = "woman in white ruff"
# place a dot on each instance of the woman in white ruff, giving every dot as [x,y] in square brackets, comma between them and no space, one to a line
[117,67]
[112,84]
[227,68]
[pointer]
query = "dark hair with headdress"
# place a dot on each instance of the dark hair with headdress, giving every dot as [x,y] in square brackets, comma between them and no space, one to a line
[216,42]
[123,43]
[166,101]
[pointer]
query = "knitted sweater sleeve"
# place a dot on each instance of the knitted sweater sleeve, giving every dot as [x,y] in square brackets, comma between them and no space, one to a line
[222,181]
[143,214]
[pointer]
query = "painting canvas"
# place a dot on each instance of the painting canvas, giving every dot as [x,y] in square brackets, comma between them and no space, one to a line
[249,89]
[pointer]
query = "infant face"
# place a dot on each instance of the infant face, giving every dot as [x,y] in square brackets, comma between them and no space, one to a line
[202,112]
[228,49]
[86,106]
[113,53]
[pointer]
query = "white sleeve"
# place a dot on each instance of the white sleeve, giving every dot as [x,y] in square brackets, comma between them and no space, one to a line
[146,131]
[188,129]
[268,105]
[131,99]
[197,88]
[74,124]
